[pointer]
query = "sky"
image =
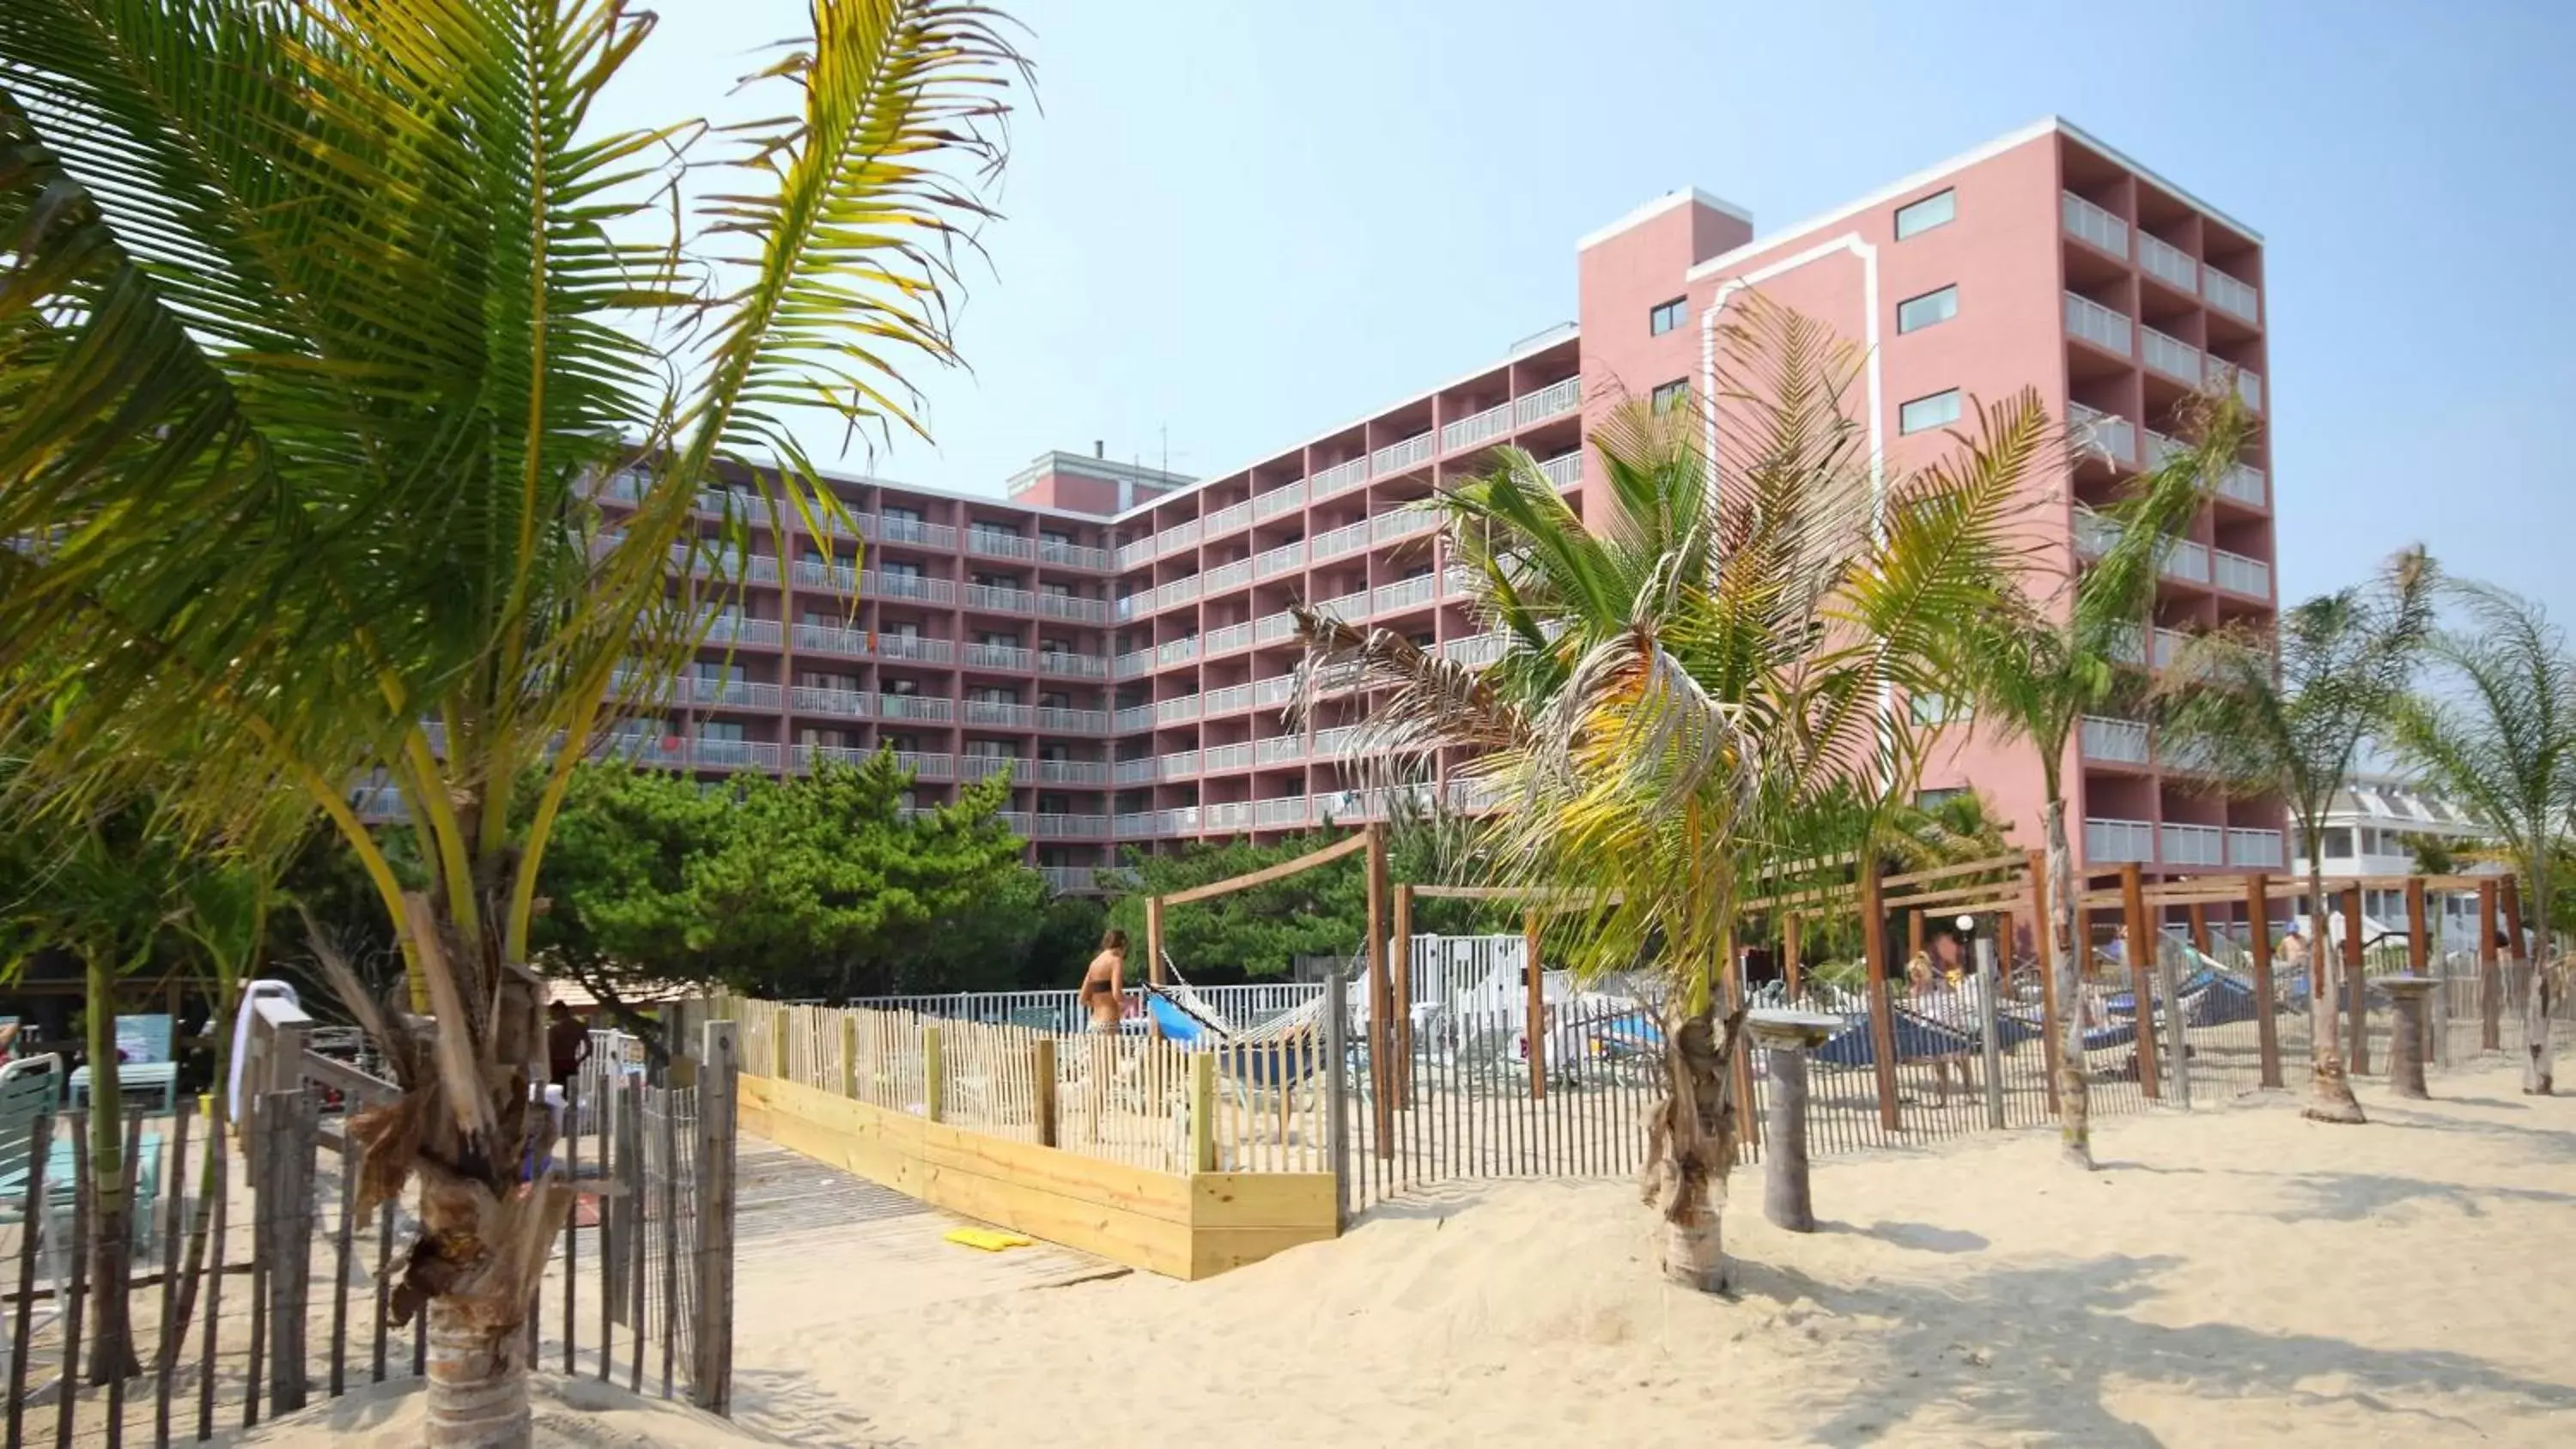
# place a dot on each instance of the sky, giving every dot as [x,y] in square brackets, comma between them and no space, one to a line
[1227,227]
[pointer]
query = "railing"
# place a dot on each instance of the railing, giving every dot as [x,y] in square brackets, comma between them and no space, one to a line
[734,754]
[915,706]
[906,530]
[1134,664]
[2195,845]
[1227,639]
[1133,718]
[1341,477]
[1349,608]
[998,712]
[2241,575]
[2193,756]
[1053,825]
[2097,324]
[1226,520]
[1177,651]
[2249,384]
[2120,740]
[1276,690]
[2185,560]
[2088,222]
[1226,757]
[1284,811]
[1065,878]
[1136,553]
[1349,538]
[1335,743]
[996,543]
[927,766]
[2108,436]
[1228,700]
[1072,772]
[907,586]
[2160,448]
[743,631]
[1178,591]
[1175,711]
[1475,428]
[1073,607]
[1563,471]
[2169,643]
[1072,555]
[2231,296]
[2168,264]
[1404,522]
[1279,500]
[1176,765]
[2129,646]
[999,599]
[1457,582]
[2171,356]
[1476,650]
[739,694]
[1135,772]
[830,639]
[973,767]
[1230,815]
[1078,666]
[827,575]
[1226,576]
[806,757]
[1270,628]
[1396,457]
[2254,847]
[1286,558]
[1279,750]
[914,647]
[2116,841]
[2247,485]
[823,699]
[1404,594]
[1064,720]
[995,656]
[1553,400]
[2094,533]
[1177,537]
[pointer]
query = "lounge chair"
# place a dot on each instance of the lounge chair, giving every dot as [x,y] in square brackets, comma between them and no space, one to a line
[29,1088]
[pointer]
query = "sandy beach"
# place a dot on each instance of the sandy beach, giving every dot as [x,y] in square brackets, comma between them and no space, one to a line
[2237,1275]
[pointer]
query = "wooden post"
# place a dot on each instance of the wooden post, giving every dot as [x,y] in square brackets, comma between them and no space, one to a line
[1535,1023]
[1748,1122]
[286,1121]
[1989,1028]
[1153,957]
[2490,977]
[2267,1031]
[2406,1036]
[849,1054]
[1337,1126]
[2200,928]
[778,1039]
[1042,1071]
[711,1336]
[2357,1055]
[1202,1112]
[39,1140]
[1381,995]
[1882,1007]
[2177,1036]
[1402,1024]
[2043,940]
[2140,948]
[934,1076]
[2419,960]
[1913,937]
[1790,974]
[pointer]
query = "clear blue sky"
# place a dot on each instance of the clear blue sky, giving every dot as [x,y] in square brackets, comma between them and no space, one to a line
[1245,224]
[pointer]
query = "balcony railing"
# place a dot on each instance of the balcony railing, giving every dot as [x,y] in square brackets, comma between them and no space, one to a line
[2195,845]
[820,699]
[2088,222]
[1396,457]
[1054,826]
[827,575]
[2238,574]
[1287,811]
[1475,428]
[999,599]
[2113,842]
[1227,639]
[1404,594]
[1178,591]
[1332,744]
[2247,485]
[1276,690]
[1226,576]
[1476,650]
[1554,400]
[743,631]
[1176,711]
[916,647]
[2120,741]
[927,767]
[1177,537]
[915,706]
[1132,719]
[1229,815]
[733,754]
[2095,534]
[2171,356]
[995,656]
[2254,847]
[1287,558]
[2097,324]
[997,543]
[1226,520]
[806,757]
[1072,555]
[878,584]
[1279,750]
[2185,560]
[1349,608]
[1339,478]
[1063,720]
[1134,664]
[1563,471]
[1065,879]
[2249,384]
[1404,522]
[1073,666]
[1135,772]
[1136,553]
[1349,538]
[2231,296]
[739,694]
[998,712]
[1271,628]
[1228,700]
[2107,436]
[1072,772]
[977,767]
[913,531]
[2168,264]
[1073,607]
[1279,500]
[1177,651]
[1217,758]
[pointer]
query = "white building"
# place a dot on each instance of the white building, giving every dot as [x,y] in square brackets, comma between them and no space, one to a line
[2366,834]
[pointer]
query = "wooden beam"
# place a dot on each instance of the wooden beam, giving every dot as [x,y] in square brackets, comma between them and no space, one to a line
[1834,895]
[2267,1032]
[2357,1054]
[1269,873]
[1537,1007]
[2139,946]
[2490,980]
[1913,936]
[1557,895]
[1934,900]
[1403,995]
[1381,987]
[1973,867]
[2200,927]
[1882,1006]
[1789,973]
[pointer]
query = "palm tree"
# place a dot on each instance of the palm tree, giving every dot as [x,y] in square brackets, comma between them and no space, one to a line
[2037,669]
[2502,741]
[323,325]
[1696,684]
[2283,711]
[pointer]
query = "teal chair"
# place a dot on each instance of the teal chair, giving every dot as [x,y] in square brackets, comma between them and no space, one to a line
[28,1088]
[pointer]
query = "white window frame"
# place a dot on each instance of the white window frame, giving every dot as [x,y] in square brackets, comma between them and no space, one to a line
[1906,228]
[1905,420]
[1948,295]
[1666,317]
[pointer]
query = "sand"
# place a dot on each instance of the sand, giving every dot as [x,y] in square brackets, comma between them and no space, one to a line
[2236,1275]
[570,1414]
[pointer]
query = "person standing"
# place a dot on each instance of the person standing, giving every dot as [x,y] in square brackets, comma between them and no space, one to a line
[567,1043]
[1103,997]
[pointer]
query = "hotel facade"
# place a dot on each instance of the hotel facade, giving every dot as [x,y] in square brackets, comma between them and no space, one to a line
[1118,637]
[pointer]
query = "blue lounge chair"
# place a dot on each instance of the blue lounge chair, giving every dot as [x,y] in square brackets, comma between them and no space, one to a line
[1916,1038]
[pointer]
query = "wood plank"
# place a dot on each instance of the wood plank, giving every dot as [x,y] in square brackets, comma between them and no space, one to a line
[1267,874]
[1945,872]
[1261,1199]
[1225,1249]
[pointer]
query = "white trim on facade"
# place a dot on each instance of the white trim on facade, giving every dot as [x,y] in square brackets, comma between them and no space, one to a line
[1658,207]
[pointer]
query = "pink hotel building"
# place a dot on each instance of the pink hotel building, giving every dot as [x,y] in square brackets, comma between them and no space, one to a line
[1118,637]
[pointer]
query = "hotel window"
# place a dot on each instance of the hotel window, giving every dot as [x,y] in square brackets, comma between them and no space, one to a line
[1936,710]
[1939,209]
[1666,316]
[2338,844]
[1669,394]
[897,513]
[1937,411]
[1916,313]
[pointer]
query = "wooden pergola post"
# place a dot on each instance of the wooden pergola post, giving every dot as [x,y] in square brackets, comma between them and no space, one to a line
[2419,961]
[1404,995]
[2139,947]
[2357,1052]
[2490,979]
[1537,1021]
[1790,973]
[2200,928]
[2043,942]
[1153,956]
[1913,937]
[1381,994]
[2267,1032]
[1882,1007]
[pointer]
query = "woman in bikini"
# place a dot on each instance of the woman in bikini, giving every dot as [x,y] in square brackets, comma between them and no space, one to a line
[1103,991]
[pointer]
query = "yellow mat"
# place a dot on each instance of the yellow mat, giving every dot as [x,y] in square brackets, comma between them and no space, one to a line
[991,1240]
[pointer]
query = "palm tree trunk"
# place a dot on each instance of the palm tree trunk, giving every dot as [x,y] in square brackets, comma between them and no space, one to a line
[2330,1091]
[111,1345]
[2536,1065]
[2074,1102]
[1690,1147]
[478,1376]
